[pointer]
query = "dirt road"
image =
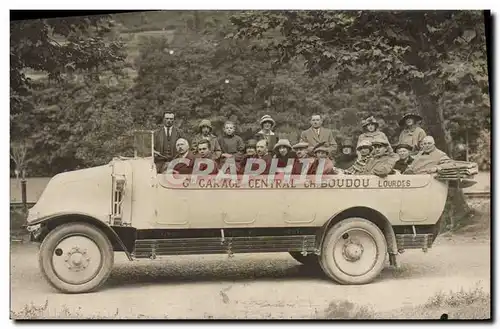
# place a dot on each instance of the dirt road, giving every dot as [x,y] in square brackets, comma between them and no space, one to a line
[250,286]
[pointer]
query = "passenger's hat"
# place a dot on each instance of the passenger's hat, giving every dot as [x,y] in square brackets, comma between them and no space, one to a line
[379,140]
[205,123]
[413,115]
[267,118]
[364,144]
[369,120]
[321,147]
[404,146]
[301,145]
[283,142]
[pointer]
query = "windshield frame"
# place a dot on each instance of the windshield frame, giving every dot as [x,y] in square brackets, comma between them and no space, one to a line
[142,133]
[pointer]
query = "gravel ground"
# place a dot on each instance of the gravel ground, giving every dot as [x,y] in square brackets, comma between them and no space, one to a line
[250,286]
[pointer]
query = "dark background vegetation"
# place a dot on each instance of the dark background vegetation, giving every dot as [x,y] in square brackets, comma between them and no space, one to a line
[80,85]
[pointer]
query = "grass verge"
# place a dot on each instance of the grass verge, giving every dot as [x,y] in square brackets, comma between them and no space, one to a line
[470,304]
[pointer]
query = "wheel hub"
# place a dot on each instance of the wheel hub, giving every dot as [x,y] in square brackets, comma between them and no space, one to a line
[355,252]
[352,251]
[77,259]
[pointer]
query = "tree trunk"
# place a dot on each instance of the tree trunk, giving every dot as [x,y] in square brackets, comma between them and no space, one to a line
[433,120]
[457,208]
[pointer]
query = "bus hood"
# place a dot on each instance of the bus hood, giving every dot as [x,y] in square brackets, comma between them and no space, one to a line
[85,192]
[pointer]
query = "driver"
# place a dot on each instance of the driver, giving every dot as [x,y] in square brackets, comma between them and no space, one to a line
[183,151]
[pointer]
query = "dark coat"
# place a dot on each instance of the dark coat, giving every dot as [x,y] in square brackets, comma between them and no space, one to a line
[243,162]
[166,145]
[267,158]
[328,169]
[232,144]
[283,160]
[203,166]
[184,169]
[299,165]
[345,161]
[325,136]
[401,165]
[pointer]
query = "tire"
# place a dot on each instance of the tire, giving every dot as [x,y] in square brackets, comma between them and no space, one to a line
[311,260]
[354,252]
[76,258]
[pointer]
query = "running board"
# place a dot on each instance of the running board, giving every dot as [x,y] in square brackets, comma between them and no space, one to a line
[151,248]
[414,241]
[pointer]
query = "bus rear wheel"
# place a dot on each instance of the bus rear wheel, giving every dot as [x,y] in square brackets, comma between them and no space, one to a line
[353,252]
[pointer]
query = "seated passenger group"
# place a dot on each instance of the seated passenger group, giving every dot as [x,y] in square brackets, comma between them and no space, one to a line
[415,152]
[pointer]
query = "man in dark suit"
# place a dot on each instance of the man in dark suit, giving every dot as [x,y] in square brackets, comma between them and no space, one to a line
[318,134]
[165,139]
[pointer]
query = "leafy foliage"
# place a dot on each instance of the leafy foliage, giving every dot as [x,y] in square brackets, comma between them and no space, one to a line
[482,156]
[240,66]
[420,52]
[76,57]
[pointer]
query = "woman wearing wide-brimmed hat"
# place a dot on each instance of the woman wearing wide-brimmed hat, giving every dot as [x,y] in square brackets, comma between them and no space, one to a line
[371,130]
[411,134]
[267,125]
[283,152]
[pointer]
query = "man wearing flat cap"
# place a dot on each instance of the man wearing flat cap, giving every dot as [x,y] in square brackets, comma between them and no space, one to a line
[321,153]
[302,159]
[383,158]
[317,134]
[411,134]
[405,159]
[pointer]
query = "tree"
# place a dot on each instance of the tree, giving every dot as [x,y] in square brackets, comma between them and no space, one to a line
[70,56]
[408,49]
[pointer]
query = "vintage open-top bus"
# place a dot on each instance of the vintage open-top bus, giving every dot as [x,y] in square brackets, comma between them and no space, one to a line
[347,225]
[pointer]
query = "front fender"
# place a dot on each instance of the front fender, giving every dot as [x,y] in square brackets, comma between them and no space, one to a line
[364,212]
[40,227]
